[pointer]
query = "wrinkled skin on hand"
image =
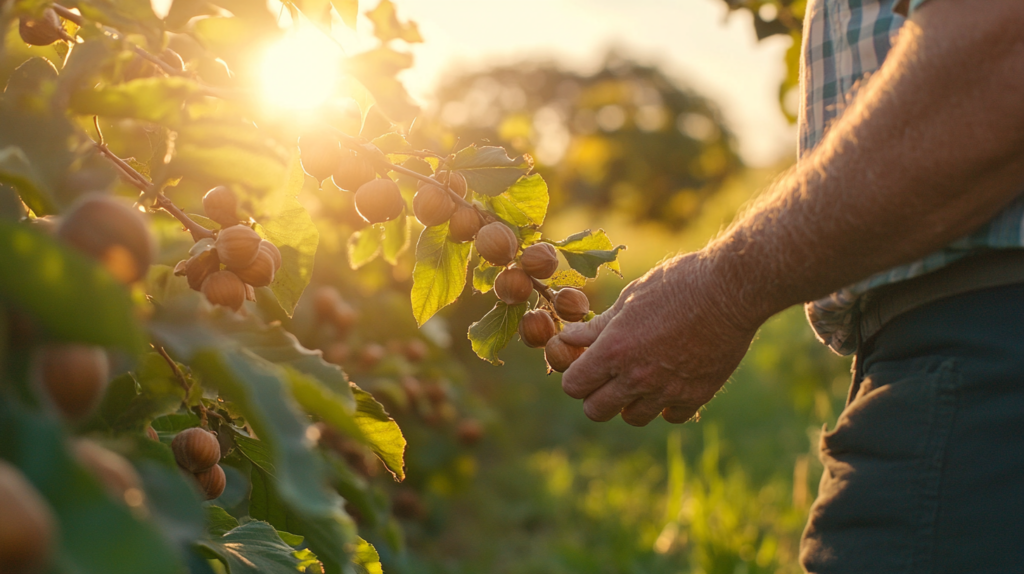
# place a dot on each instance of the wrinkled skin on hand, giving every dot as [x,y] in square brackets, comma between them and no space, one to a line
[666,346]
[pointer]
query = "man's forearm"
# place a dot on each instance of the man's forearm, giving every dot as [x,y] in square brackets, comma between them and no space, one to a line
[932,148]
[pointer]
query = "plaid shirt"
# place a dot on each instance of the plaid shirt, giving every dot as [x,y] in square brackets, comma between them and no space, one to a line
[844,42]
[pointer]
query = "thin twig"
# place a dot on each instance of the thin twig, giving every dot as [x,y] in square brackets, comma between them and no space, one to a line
[177,370]
[543,290]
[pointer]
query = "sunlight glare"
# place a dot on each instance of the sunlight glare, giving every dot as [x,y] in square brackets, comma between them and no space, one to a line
[300,72]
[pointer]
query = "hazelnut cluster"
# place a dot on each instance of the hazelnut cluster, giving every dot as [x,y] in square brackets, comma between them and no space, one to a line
[197,452]
[238,260]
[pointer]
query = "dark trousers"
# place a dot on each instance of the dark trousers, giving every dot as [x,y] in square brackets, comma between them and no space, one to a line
[924,471]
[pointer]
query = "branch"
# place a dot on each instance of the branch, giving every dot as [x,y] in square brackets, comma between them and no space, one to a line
[174,367]
[543,290]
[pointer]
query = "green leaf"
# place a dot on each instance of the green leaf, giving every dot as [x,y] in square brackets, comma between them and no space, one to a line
[254,547]
[587,251]
[381,432]
[348,10]
[152,392]
[15,170]
[488,170]
[396,238]
[163,286]
[495,329]
[50,281]
[440,272]
[366,559]
[159,100]
[291,229]
[484,275]
[218,521]
[363,246]
[387,27]
[316,399]
[567,278]
[525,203]
[97,534]
[392,143]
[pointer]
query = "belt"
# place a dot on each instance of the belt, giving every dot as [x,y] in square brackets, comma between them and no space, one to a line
[994,268]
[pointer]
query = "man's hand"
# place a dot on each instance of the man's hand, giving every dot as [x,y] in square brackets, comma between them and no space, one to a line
[668,344]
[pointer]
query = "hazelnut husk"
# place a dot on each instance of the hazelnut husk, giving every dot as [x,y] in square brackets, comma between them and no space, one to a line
[111,232]
[432,205]
[221,205]
[27,524]
[151,434]
[261,272]
[117,475]
[212,481]
[196,449]
[237,246]
[497,244]
[464,224]
[224,288]
[513,286]
[42,31]
[560,355]
[352,172]
[198,267]
[536,328]
[319,154]
[379,200]
[571,304]
[540,260]
[73,377]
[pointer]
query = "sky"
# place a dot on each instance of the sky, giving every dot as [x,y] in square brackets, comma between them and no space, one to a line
[696,42]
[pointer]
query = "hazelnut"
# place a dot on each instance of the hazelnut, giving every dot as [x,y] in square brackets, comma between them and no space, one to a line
[27,524]
[221,205]
[73,377]
[464,224]
[379,200]
[212,481]
[224,288]
[371,354]
[571,304]
[469,431]
[560,354]
[112,233]
[261,272]
[536,328]
[432,205]
[416,350]
[513,286]
[337,352]
[324,300]
[319,154]
[352,172]
[117,475]
[42,31]
[540,260]
[196,449]
[275,253]
[497,244]
[198,267]
[237,246]
[454,179]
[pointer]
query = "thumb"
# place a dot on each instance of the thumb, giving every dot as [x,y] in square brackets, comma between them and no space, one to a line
[584,334]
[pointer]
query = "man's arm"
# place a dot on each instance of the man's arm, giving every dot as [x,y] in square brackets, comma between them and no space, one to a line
[931,149]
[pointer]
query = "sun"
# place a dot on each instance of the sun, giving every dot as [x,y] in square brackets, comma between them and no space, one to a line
[300,72]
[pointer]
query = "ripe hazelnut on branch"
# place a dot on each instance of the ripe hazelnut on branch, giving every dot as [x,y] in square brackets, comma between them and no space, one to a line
[379,200]
[464,224]
[261,272]
[27,524]
[513,286]
[73,377]
[432,205]
[224,288]
[540,260]
[42,31]
[221,205]
[198,267]
[319,154]
[117,475]
[196,449]
[497,244]
[275,253]
[237,246]
[454,179]
[571,304]
[352,172]
[537,328]
[110,232]
[212,481]
[560,355]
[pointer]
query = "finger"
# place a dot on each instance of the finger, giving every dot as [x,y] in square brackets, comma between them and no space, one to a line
[680,414]
[584,334]
[642,411]
[606,402]
[587,373]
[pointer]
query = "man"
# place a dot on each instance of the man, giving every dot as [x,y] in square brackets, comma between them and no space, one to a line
[907,206]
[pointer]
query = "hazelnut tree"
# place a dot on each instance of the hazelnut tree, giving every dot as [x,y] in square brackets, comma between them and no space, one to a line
[142,370]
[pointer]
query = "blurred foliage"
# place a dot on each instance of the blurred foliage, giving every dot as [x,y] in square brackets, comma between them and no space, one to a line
[626,138]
